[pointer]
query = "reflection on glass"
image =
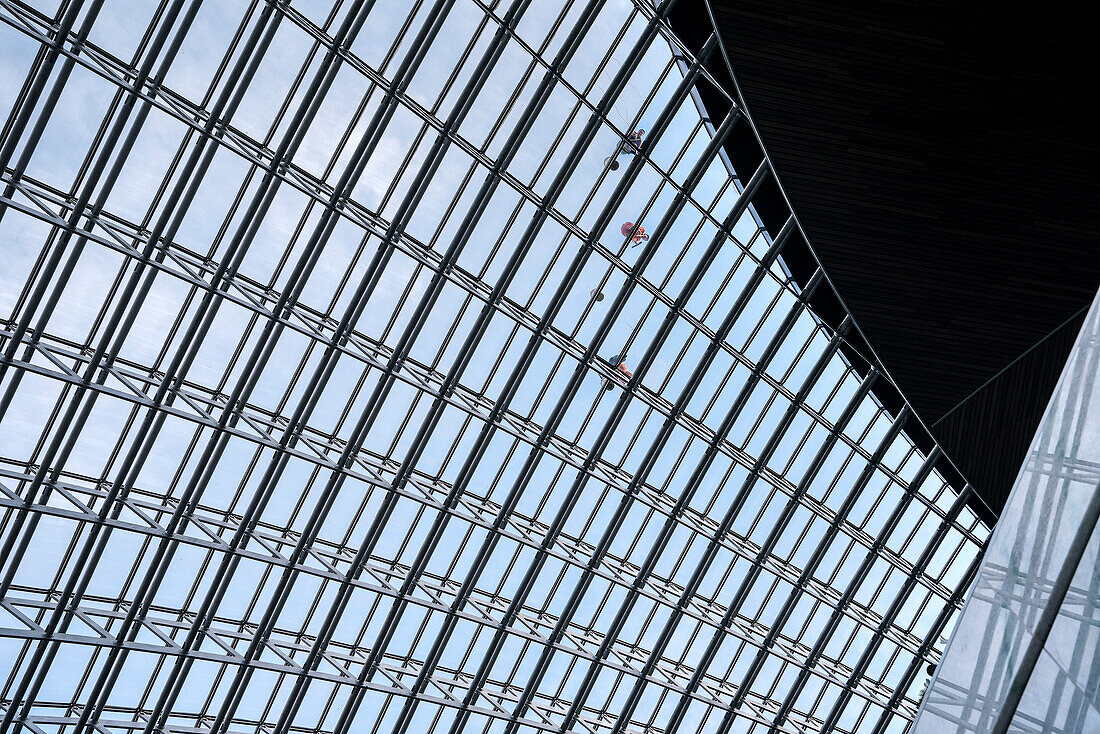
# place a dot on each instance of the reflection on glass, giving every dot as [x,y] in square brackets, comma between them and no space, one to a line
[1023,657]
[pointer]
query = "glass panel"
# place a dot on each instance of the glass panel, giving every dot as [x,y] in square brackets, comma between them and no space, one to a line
[423,366]
[1027,638]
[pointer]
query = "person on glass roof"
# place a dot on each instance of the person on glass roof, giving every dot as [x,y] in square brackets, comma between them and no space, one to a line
[629,145]
[634,232]
[619,363]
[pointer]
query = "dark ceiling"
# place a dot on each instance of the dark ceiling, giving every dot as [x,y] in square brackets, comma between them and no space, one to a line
[942,160]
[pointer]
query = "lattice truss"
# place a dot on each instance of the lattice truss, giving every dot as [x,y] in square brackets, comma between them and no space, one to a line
[340,390]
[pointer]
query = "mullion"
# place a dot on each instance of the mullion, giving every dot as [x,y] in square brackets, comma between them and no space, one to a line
[103,174]
[803,444]
[698,133]
[528,303]
[402,168]
[604,61]
[16,553]
[712,402]
[288,248]
[872,554]
[319,450]
[695,480]
[252,439]
[642,109]
[498,243]
[349,711]
[35,79]
[231,506]
[329,352]
[452,206]
[733,608]
[635,438]
[326,311]
[364,105]
[291,92]
[570,391]
[762,319]
[509,104]
[674,470]
[720,192]
[514,335]
[231,96]
[742,257]
[53,236]
[507,391]
[645,13]
[227,57]
[405,421]
[544,163]
[611,421]
[413,107]
[16,127]
[803,351]
[920,657]
[398,37]
[531,195]
[465,309]
[585,101]
[407,307]
[151,240]
[814,561]
[589,422]
[681,255]
[49,427]
[98,146]
[464,58]
[680,193]
[550,352]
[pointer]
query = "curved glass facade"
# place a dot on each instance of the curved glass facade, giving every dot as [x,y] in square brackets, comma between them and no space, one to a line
[422,366]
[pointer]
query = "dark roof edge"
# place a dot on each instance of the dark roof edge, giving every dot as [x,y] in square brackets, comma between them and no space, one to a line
[746,151]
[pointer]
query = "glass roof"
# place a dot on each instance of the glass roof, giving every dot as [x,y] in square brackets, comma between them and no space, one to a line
[422,366]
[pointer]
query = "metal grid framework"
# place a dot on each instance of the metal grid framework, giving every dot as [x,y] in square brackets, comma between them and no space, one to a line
[315,414]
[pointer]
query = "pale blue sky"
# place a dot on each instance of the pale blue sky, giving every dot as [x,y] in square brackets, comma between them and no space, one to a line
[207,229]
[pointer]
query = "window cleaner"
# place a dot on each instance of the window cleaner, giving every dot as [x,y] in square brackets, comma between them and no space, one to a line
[619,363]
[634,232]
[629,145]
